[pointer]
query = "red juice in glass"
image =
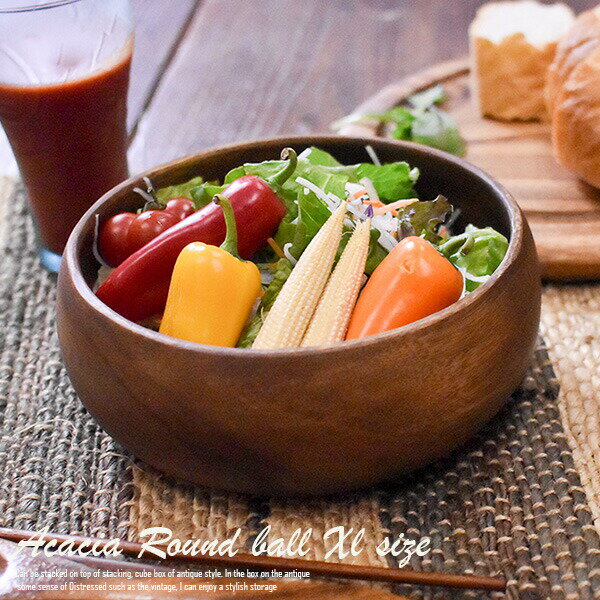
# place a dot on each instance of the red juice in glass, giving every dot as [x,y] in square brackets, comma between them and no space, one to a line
[63,105]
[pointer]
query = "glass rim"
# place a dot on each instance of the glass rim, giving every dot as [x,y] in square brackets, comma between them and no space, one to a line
[24,6]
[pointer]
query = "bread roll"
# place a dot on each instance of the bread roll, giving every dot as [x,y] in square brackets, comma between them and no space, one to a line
[581,40]
[512,46]
[576,120]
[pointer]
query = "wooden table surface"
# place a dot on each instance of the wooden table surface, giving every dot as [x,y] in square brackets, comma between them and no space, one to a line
[209,72]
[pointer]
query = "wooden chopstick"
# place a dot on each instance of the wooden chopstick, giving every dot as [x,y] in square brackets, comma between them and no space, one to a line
[315,568]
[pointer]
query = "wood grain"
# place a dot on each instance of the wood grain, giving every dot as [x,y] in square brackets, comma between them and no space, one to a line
[247,70]
[159,28]
[251,69]
[563,212]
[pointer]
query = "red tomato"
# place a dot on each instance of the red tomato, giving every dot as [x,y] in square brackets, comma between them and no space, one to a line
[147,226]
[181,207]
[113,244]
[126,233]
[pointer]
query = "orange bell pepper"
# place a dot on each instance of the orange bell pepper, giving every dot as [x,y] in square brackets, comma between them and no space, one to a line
[413,281]
[212,290]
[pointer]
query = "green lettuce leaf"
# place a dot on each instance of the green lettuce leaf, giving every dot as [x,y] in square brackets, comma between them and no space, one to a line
[316,156]
[476,252]
[428,98]
[402,117]
[424,218]
[376,253]
[331,176]
[423,122]
[403,130]
[180,190]
[284,268]
[392,181]
[203,194]
[311,216]
[438,129]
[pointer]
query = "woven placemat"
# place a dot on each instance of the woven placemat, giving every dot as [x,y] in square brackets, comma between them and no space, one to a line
[57,468]
[571,328]
[511,502]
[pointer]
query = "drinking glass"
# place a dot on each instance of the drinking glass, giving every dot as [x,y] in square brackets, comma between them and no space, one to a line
[64,75]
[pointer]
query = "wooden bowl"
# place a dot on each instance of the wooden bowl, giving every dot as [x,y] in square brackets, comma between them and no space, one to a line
[315,420]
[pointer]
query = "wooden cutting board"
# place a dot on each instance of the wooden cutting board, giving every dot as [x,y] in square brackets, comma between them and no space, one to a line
[563,212]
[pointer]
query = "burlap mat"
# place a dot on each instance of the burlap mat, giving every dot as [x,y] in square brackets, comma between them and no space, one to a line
[57,468]
[571,327]
[519,500]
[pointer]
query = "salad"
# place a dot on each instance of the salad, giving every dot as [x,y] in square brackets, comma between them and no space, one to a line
[301,251]
[419,120]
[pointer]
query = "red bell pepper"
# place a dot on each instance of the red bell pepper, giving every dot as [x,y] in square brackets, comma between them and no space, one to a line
[137,289]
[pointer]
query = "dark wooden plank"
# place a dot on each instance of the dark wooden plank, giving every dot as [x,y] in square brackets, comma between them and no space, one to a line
[252,69]
[158,25]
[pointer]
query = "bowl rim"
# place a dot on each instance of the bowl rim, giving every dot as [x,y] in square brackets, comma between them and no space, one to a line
[515,244]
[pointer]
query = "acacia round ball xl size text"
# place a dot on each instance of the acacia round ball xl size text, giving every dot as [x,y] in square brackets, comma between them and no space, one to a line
[310,420]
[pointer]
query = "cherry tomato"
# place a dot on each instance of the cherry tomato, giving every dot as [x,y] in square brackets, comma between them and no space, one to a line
[126,233]
[113,244]
[147,226]
[181,207]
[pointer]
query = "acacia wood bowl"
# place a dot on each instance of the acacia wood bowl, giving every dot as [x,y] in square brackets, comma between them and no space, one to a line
[313,420]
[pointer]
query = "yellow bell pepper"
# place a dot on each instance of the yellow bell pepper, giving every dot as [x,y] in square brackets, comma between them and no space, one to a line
[212,290]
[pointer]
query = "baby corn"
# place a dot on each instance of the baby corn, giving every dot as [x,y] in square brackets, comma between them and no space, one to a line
[291,313]
[333,312]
